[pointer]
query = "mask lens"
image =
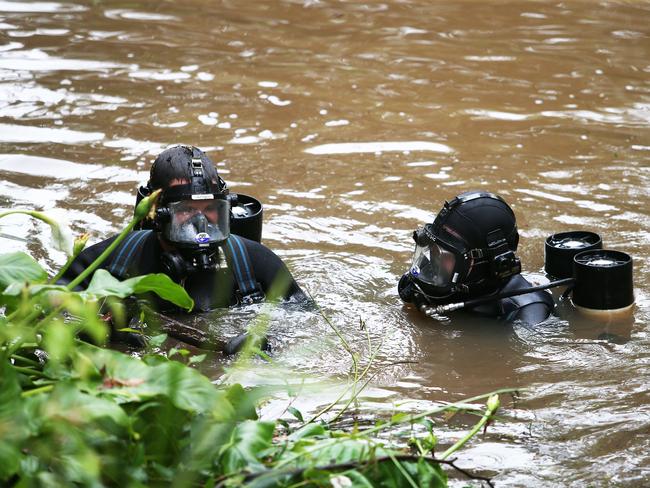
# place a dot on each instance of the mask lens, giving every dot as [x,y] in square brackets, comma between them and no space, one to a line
[198,222]
[433,264]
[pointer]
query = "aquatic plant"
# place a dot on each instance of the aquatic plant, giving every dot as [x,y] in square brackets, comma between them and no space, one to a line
[73,412]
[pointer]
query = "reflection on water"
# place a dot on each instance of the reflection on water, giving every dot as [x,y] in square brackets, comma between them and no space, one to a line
[353,122]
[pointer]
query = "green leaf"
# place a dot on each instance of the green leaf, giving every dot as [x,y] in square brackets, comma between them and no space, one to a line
[296,413]
[16,289]
[207,438]
[248,441]
[390,473]
[104,284]
[10,457]
[197,359]
[20,267]
[12,428]
[68,403]
[309,430]
[157,340]
[131,379]
[243,402]
[399,417]
[342,451]
[58,340]
[429,474]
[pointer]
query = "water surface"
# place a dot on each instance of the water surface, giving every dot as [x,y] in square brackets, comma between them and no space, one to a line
[353,122]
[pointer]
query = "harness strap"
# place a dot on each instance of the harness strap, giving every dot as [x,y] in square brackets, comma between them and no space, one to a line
[239,261]
[249,290]
[126,252]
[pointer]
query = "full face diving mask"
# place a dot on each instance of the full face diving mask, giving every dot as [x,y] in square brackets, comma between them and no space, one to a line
[195,218]
[434,263]
[441,269]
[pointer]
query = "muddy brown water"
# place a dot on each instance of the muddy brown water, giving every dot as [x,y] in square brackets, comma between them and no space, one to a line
[352,122]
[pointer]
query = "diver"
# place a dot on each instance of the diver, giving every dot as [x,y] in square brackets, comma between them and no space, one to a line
[468,252]
[188,238]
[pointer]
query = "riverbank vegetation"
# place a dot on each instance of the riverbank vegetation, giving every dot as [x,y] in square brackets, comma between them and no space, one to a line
[75,413]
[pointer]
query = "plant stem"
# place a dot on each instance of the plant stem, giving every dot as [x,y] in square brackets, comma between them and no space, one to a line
[25,360]
[492,407]
[31,213]
[140,212]
[30,318]
[36,391]
[356,392]
[401,469]
[450,406]
[29,371]
[63,269]
[347,347]
[102,257]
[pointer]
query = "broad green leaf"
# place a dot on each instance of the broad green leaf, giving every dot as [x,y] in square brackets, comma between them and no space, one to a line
[157,340]
[248,441]
[68,403]
[243,402]
[309,430]
[19,267]
[58,340]
[105,284]
[9,388]
[131,379]
[207,438]
[10,457]
[430,474]
[343,451]
[12,429]
[186,388]
[82,466]
[197,359]
[320,477]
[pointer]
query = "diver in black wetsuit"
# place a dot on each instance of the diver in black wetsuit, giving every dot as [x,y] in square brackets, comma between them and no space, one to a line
[469,252]
[189,239]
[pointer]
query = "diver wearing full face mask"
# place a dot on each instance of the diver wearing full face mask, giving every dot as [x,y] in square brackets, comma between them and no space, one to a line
[469,252]
[189,239]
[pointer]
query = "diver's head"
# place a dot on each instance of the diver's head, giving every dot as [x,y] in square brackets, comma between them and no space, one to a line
[193,213]
[468,250]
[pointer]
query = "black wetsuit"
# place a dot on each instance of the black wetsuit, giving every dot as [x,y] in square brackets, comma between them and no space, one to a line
[210,289]
[531,308]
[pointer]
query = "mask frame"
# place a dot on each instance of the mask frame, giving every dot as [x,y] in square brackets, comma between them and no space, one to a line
[201,222]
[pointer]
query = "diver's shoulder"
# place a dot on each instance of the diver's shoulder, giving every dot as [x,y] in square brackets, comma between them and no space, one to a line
[249,243]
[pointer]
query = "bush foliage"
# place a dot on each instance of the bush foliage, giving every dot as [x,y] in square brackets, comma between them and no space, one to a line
[74,413]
